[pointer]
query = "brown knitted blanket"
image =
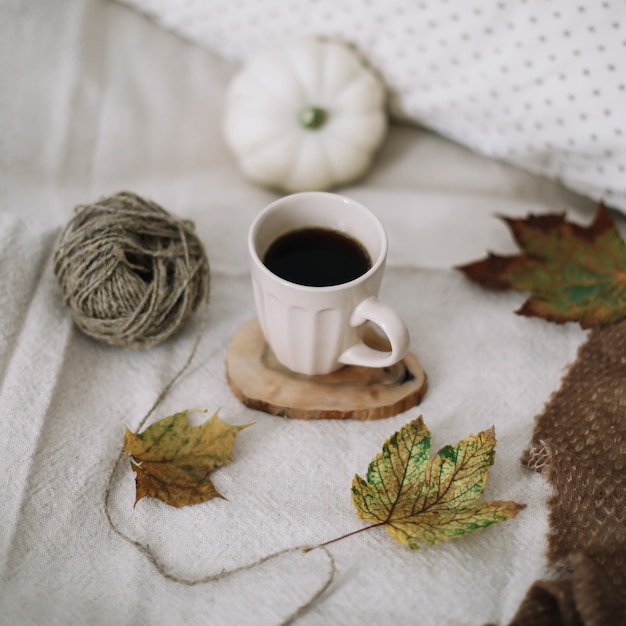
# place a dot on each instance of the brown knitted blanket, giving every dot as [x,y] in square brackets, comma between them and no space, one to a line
[579,444]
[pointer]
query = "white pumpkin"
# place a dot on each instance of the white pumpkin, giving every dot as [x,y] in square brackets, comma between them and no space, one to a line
[307,115]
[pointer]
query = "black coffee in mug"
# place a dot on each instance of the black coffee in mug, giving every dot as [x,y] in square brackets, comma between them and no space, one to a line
[317,257]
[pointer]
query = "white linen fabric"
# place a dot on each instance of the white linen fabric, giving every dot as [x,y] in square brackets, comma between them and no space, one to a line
[96,99]
[538,84]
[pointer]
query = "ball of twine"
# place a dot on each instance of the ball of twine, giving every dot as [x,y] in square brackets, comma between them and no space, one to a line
[130,272]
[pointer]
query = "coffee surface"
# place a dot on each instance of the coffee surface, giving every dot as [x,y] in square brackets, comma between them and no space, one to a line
[317,257]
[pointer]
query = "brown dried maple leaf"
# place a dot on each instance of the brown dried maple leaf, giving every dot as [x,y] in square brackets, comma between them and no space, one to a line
[573,273]
[172,460]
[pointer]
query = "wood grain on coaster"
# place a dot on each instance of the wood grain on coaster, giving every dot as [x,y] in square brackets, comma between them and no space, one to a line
[353,392]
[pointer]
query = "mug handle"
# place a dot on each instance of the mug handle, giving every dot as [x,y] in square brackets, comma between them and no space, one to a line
[372,309]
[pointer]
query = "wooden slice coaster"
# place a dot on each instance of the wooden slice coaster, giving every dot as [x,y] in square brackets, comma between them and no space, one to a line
[353,392]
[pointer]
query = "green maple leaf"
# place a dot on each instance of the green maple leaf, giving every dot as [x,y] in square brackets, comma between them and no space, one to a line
[573,273]
[172,460]
[419,499]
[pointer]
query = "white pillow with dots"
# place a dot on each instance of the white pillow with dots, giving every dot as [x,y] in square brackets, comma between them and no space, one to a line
[539,84]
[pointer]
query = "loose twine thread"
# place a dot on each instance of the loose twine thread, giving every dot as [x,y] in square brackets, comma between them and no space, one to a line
[132,274]
[160,567]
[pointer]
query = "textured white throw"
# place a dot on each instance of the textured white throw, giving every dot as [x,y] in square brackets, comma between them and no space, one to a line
[97,99]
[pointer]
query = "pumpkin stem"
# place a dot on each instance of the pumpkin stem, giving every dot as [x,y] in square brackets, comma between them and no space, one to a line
[312,117]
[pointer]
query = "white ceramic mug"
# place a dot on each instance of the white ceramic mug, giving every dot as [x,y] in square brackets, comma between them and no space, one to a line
[317,330]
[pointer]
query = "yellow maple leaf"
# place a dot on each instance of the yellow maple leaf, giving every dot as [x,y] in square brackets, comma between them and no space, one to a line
[419,499]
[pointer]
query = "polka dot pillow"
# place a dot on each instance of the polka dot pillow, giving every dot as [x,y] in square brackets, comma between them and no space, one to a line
[540,84]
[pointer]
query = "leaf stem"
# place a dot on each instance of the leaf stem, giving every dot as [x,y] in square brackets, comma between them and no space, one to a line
[354,532]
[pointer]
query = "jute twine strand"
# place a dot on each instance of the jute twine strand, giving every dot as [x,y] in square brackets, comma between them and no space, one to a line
[130,272]
[222,575]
